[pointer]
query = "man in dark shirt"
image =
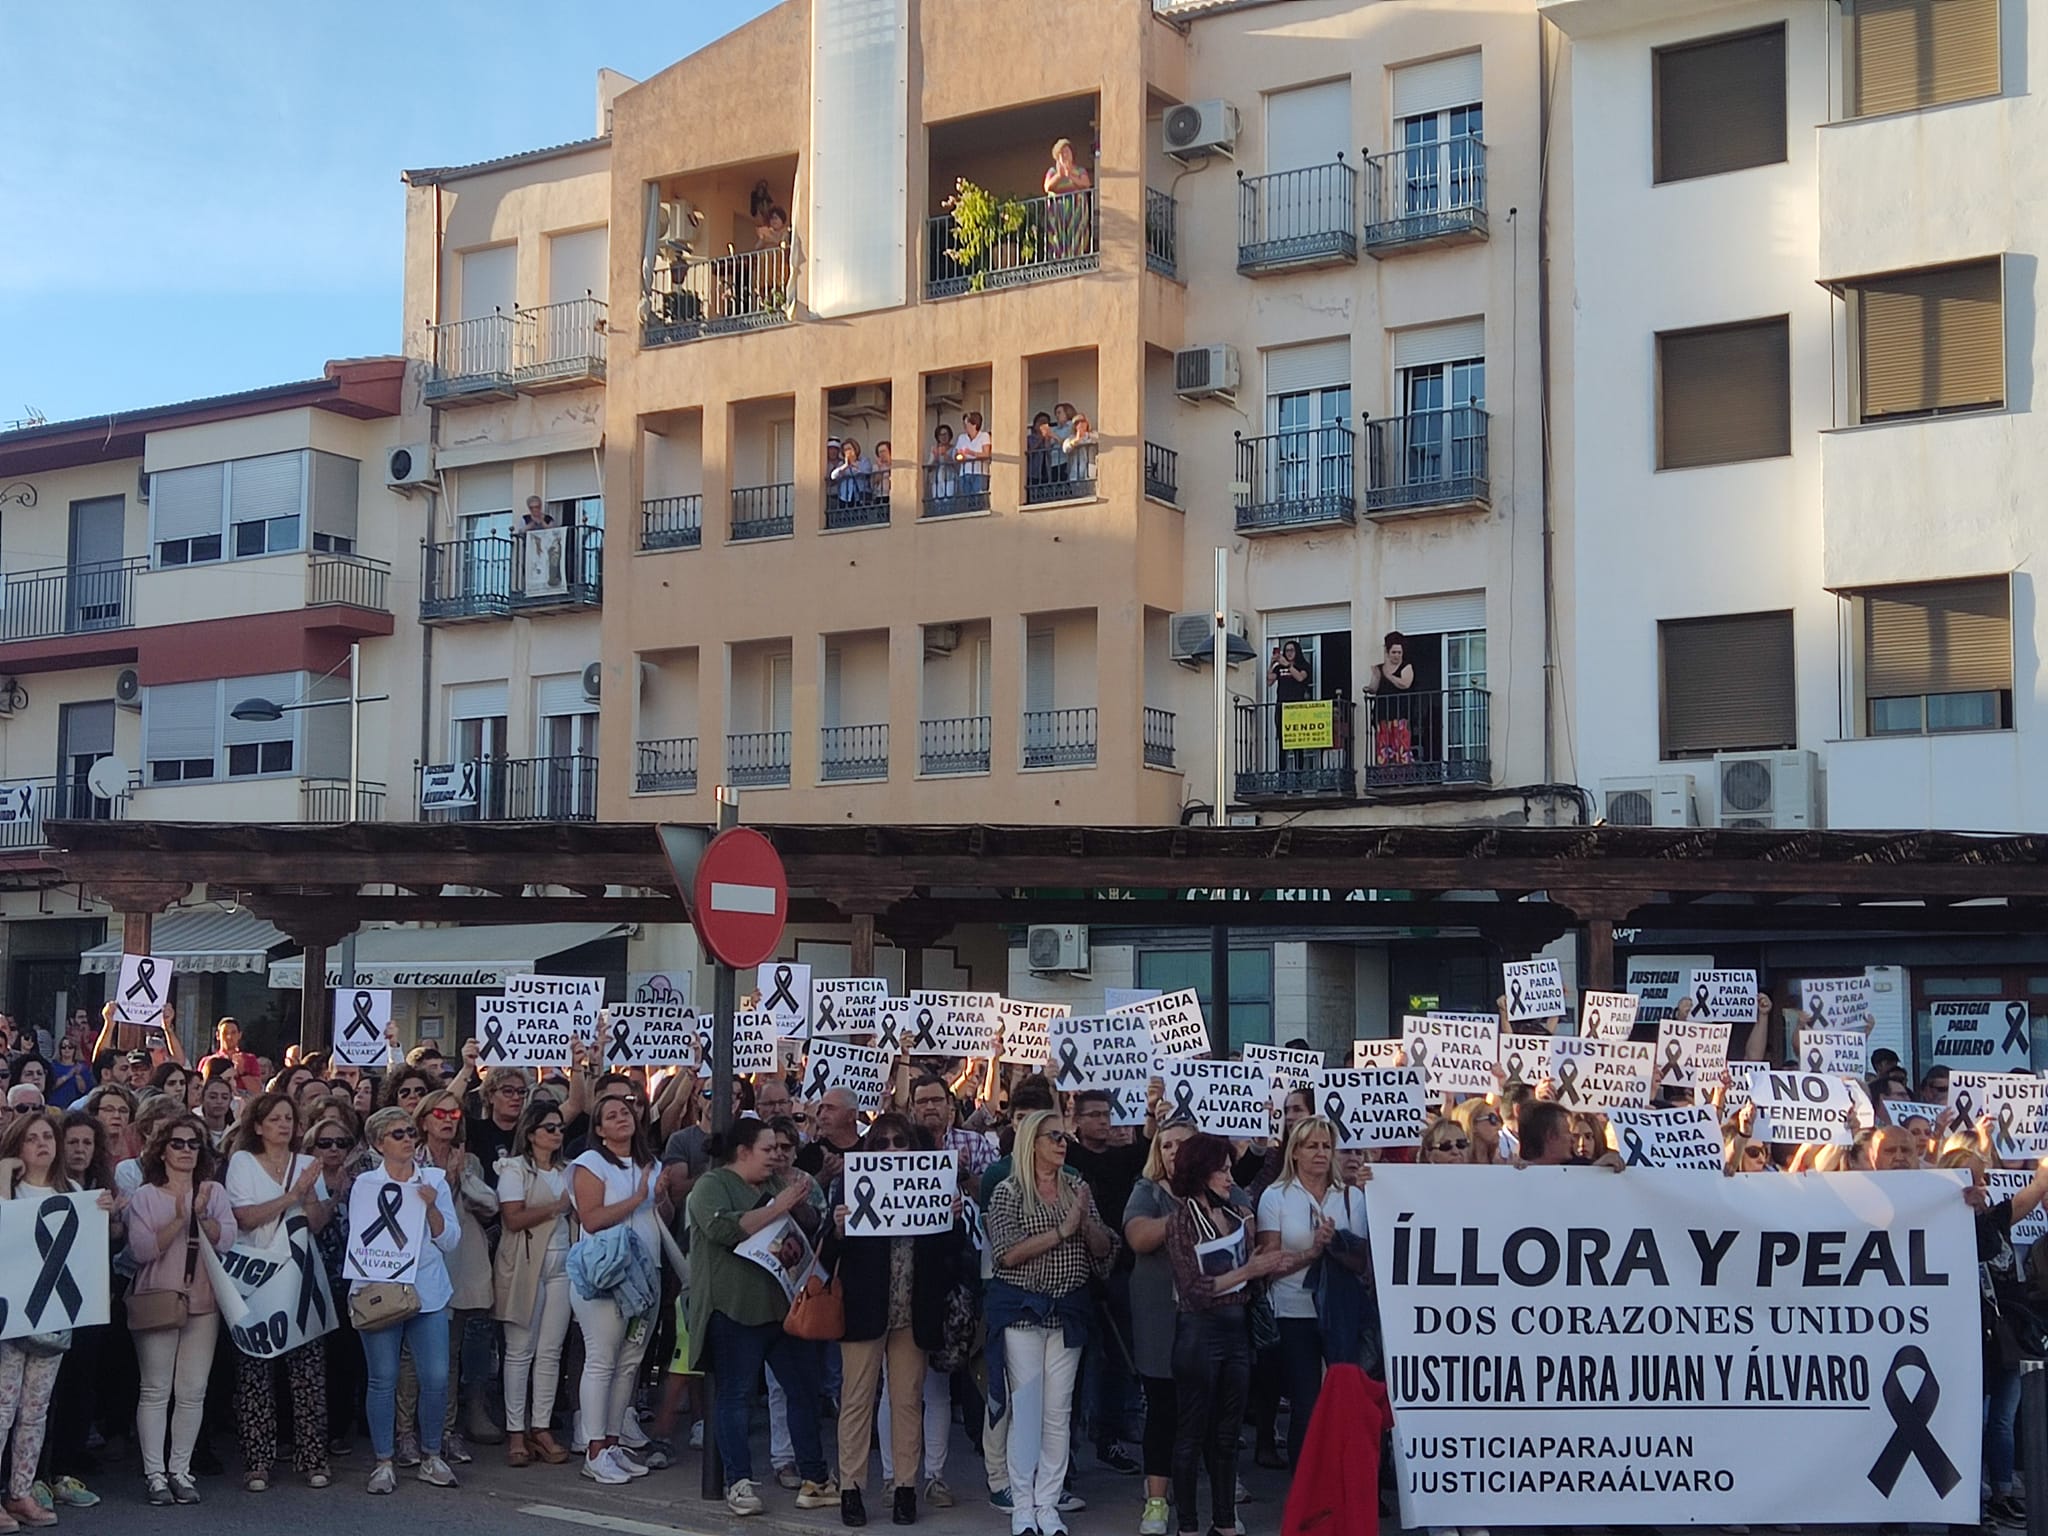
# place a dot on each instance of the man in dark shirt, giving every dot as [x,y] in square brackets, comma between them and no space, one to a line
[490,1134]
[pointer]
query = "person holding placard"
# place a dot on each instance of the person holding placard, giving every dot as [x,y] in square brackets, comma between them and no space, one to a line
[613,1187]
[86,1379]
[1153,1315]
[334,1141]
[1298,1216]
[530,1278]
[171,1306]
[1743,1153]
[443,1144]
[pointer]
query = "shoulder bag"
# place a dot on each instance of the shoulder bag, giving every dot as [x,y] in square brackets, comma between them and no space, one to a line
[155,1311]
[817,1311]
[379,1304]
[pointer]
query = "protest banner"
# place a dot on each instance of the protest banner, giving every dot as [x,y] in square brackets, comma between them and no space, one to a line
[1607,1015]
[1841,1052]
[1374,1107]
[1524,1058]
[1984,1034]
[2030,1228]
[1723,996]
[1967,1092]
[862,1069]
[1112,1053]
[967,1030]
[526,1032]
[1601,1074]
[1688,1137]
[1227,1098]
[1906,1111]
[1457,1055]
[2016,1104]
[142,990]
[1691,1053]
[1535,989]
[53,1263]
[1286,1068]
[900,1194]
[1657,982]
[650,1035]
[753,1042]
[387,1224]
[785,989]
[1379,1055]
[1590,1350]
[846,1005]
[1023,1026]
[360,1016]
[273,1299]
[575,999]
[1175,1020]
[1839,1002]
[1802,1106]
[782,1249]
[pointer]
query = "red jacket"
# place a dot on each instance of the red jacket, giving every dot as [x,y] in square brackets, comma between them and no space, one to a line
[1336,1490]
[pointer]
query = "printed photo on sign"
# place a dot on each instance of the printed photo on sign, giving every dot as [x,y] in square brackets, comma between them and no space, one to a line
[573,999]
[671,987]
[525,1032]
[1023,1026]
[1220,1255]
[1286,1068]
[53,1263]
[785,988]
[1985,1035]
[1379,1055]
[1374,1107]
[1802,1106]
[1601,1074]
[361,1015]
[1845,1052]
[1175,1020]
[1658,981]
[2016,1107]
[1113,1054]
[1690,1053]
[650,1035]
[1456,1055]
[753,1042]
[1840,1002]
[1967,1092]
[846,1005]
[1723,997]
[1535,989]
[861,1069]
[142,991]
[387,1224]
[1687,1138]
[900,1194]
[782,1249]
[1525,1058]
[1226,1098]
[1607,1015]
[275,1298]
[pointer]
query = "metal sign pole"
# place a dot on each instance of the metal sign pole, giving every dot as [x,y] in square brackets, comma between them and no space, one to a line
[724,1000]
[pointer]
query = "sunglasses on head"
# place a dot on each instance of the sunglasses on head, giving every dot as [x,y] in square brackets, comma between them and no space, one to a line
[181,1144]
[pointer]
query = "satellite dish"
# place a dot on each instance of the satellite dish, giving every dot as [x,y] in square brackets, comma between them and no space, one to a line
[108,778]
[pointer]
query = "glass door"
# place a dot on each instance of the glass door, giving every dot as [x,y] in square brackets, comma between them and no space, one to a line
[1440,433]
[487,555]
[1465,724]
[568,785]
[1441,167]
[482,740]
[1308,459]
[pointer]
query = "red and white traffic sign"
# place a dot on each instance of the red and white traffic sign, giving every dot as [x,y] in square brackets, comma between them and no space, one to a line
[740,897]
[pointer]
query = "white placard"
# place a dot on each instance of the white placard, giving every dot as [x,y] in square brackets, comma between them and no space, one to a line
[1227,1098]
[1688,1138]
[1496,1416]
[143,990]
[900,1194]
[17,802]
[1843,1052]
[782,1249]
[1525,1058]
[2030,1228]
[1967,1094]
[1112,1054]
[1601,1074]
[1535,989]
[1374,1108]
[1658,981]
[525,1032]
[896,1025]
[1456,1054]
[1117,999]
[1802,1106]
[846,1005]
[1738,1095]
[573,999]
[2017,1107]
[1985,1035]
[360,1016]
[650,1035]
[273,1299]
[1607,1015]
[1175,1020]
[967,1033]
[1902,1111]
[1286,1068]
[53,1263]
[658,987]
[1839,1002]
[448,786]
[785,988]
[1691,1053]
[1723,996]
[1025,1042]
[1379,1055]
[863,1069]
[753,1042]
[387,1224]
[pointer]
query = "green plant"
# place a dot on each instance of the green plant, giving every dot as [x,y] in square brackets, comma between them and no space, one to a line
[981,221]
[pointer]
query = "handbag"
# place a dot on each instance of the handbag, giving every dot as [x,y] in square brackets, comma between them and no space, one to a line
[156,1311]
[380,1304]
[961,1329]
[817,1311]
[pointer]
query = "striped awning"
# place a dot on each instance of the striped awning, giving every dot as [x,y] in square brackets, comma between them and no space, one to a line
[198,939]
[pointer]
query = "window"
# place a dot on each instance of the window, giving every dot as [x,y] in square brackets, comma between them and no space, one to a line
[1938,657]
[1929,342]
[1251,986]
[247,507]
[1902,55]
[1724,394]
[1437,123]
[180,731]
[259,757]
[1720,105]
[1727,684]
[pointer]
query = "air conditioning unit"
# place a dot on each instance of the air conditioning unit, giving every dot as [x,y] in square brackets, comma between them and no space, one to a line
[1780,790]
[1659,800]
[1205,373]
[1056,947]
[863,402]
[941,639]
[593,681]
[946,389]
[1188,635]
[409,464]
[679,222]
[1197,129]
[128,688]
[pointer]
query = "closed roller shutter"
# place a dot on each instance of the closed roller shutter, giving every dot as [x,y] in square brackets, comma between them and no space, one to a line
[478,701]
[1313,365]
[1727,684]
[1931,341]
[1455,341]
[1946,637]
[180,721]
[1724,394]
[185,503]
[284,687]
[484,488]
[262,488]
[1720,105]
[1443,613]
[569,476]
[560,696]
[1437,86]
[1908,54]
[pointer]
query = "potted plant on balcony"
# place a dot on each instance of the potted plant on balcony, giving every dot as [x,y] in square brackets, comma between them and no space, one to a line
[982,222]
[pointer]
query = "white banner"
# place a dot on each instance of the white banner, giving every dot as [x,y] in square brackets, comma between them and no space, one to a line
[1981,1034]
[1373,1108]
[446,786]
[1025,1042]
[53,1263]
[274,1299]
[360,1015]
[1175,1021]
[900,1194]
[1113,1054]
[785,989]
[1525,1058]
[1566,1347]
[846,1005]
[1967,1092]
[1691,1053]
[1535,989]
[1379,1055]
[753,1042]
[526,1032]
[650,1035]
[1837,1052]
[1802,1106]
[1607,1015]
[143,990]
[2017,1107]
[1286,1068]
[17,802]
[862,1069]
[1601,1074]
[1840,1002]
[387,1224]
[1725,997]
[1688,1138]
[1658,981]
[1457,1055]
[1227,1098]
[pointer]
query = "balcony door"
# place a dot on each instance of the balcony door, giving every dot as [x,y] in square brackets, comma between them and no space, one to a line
[94,590]
[1306,128]
[1441,431]
[1440,168]
[477,733]
[566,785]
[85,734]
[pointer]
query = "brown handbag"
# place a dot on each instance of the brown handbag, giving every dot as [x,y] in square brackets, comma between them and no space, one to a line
[817,1311]
[158,1311]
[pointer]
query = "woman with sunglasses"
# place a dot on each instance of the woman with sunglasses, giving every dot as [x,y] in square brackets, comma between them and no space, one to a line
[530,1280]
[1049,1244]
[1298,1216]
[406,1087]
[176,1208]
[1445,1143]
[268,1181]
[1152,1314]
[71,1077]
[443,1145]
[332,1142]
[1743,1153]
[1480,1119]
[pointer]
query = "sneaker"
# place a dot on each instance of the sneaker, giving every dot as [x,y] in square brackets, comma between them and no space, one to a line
[1070,1503]
[657,1454]
[631,1435]
[625,1461]
[1117,1459]
[741,1498]
[697,1436]
[456,1449]
[602,1469]
[2000,1511]
[1243,1495]
[436,1471]
[853,1509]
[317,1479]
[817,1495]
[39,1493]
[1002,1499]
[408,1450]
[183,1490]
[1153,1521]
[74,1494]
[159,1488]
[382,1479]
[938,1495]
[788,1477]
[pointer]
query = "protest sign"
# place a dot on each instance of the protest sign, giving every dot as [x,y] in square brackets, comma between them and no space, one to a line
[1691,1053]
[1802,1106]
[1595,1350]
[782,1249]
[1906,1111]
[1658,982]
[53,1263]
[1372,1107]
[1535,989]
[1175,1020]
[273,1299]
[2016,1104]
[967,1031]
[525,1032]
[574,999]
[1842,1052]
[360,1016]
[785,989]
[142,990]
[1457,1055]
[1983,1034]
[846,1005]
[1607,1015]
[1722,996]
[387,1224]
[1967,1092]
[1379,1055]
[896,1025]
[1839,1002]
[1741,1077]
[1112,1053]
[650,1035]
[1688,1137]
[1601,1074]
[1286,1068]
[2030,1228]
[1227,1098]
[1524,1058]
[862,1069]
[1023,1024]
[658,987]
[753,1042]
[900,1194]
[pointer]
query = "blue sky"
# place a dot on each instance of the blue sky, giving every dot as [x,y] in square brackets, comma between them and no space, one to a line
[203,196]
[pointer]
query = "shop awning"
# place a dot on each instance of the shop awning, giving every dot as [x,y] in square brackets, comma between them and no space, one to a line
[448,957]
[201,939]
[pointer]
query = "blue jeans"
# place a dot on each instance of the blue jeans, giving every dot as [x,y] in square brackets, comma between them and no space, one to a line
[2001,1407]
[426,1334]
[737,1353]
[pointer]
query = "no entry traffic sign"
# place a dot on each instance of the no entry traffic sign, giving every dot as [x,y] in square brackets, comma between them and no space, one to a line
[740,897]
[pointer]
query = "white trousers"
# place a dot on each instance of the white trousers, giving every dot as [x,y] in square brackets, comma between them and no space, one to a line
[1041,1366]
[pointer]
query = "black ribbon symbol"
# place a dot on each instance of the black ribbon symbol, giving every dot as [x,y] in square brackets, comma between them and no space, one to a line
[1333,1106]
[926,1040]
[1914,1436]
[493,1046]
[55,1251]
[784,979]
[1070,1063]
[821,1079]
[1965,1107]
[864,1203]
[1813,1059]
[1592,1023]
[1820,1011]
[1699,999]
[362,1023]
[2005,1142]
[1184,1097]
[1418,1052]
[1116,1105]
[885,1033]
[621,1045]
[1568,1082]
[1632,1139]
[1514,1066]
[826,1019]
[1674,1065]
[145,981]
[312,1282]
[1515,998]
[390,1201]
[2015,1028]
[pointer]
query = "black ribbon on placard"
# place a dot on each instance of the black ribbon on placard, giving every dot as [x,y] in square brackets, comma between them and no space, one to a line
[1184,1097]
[1965,1107]
[1813,1059]
[2016,1028]
[864,1203]
[1674,1060]
[783,980]
[1515,997]
[145,981]
[1568,1082]
[1592,1023]
[54,1248]
[825,1018]
[1820,1012]
[1913,1435]
[362,1023]
[2004,1133]
[312,1281]
[1116,1105]
[1699,1000]
[1333,1107]
[1418,1053]
[1632,1141]
[926,1039]
[492,1047]
[621,1044]
[1069,1064]
[885,1033]
[821,1079]
[390,1202]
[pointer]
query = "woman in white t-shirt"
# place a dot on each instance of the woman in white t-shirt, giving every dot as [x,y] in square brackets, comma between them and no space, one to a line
[268,1183]
[973,450]
[613,1185]
[531,1279]
[1298,1214]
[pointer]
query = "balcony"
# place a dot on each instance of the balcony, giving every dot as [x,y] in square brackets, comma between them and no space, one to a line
[472,360]
[1291,220]
[69,600]
[851,753]
[1324,770]
[757,759]
[959,745]
[555,345]
[1162,233]
[698,296]
[859,506]
[672,522]
[665,767]
[953,489]
[1162,474]
[763,512]
[29,803]
[508,789]
[1425,196]
[1419,739]
[1032,240]
[1428,461]
[494,576]
[1292,480]
[1059,474]
[1158,737]
[1059,738]
[347,581]
[326,800]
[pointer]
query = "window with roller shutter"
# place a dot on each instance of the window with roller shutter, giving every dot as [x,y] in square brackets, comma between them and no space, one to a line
[1724,394]
[1719,105]
[180,731]
[1727,684]
[1937,656]
[1906,55]
[1929,342]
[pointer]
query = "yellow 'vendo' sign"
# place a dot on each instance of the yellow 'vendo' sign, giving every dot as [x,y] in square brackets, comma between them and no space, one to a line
[1307,724]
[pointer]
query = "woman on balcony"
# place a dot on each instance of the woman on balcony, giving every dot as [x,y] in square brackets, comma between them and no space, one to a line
[1393,727]
[1067,211]
[974,451]
[939,473]
[852,475]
